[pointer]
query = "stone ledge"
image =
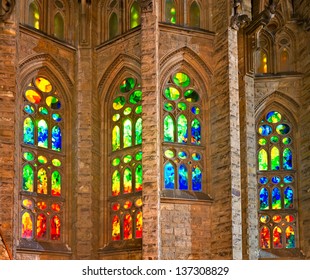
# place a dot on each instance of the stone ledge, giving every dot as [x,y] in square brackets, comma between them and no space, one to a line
[185,197]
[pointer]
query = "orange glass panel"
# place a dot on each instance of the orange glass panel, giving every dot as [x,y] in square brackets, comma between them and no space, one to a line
[265,238]
[41,205]
[139,222]
[116,229]
[56,207]
[27,225]
[127,227]
[41,226]
[42,181]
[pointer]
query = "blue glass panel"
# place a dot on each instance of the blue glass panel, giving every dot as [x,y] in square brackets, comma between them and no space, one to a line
[283,129]
[169,176]
[196,132]
[264,199]
[265,130]
[28,131]
[56,138]
[275,179]
[42,134]
[263,180]
[183,177]
[196,178]
[288,179]
[276,199]
[288,198]
[287,159]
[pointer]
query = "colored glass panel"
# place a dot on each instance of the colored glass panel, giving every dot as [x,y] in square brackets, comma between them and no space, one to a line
[181,79]
[277,218]
[265,130]
[264,199]
[183,177]
[168,107]
[27,203]
[27,225]
[139,223]
[169,153]
[41,226]
[116,138]
[196,132]
[116,117]
[289,218]
[274,139]
[262,141]
[191,95]
[139,156]
[138,202]
[275,158]
[276,199]
[196,178]
[288,198]
[182,129]
[286,141]
[42,205]
[289,237]
[127,204]
[32,96]
[139,178]
[55,228]
[264,219]
[28,156]
[277,237]
[116,228]
[283,129]
[56,117]
[113,26]
[135,97]
[138,129]
[116,206]
[56,183]
[56,138]
[42,134]
[195,110]
[169,176]
[263,180]
[28,178]
[116,183]
[53,102]
[262,160]
[265,238]
[43,84]
[127,158]
[29,109]
[118,103]
[172,93]
[127,227]
[170,12]
[182,155]
[55,207]
[138,109]
[127,181]
[56,162]
[182,106]
[59,28]
[127,85]
[273,117]
[127,111]
[168,129]
[42,159]
[34,16]
[194,15]
[287,159]
[275,180]
[288,179]
[42,181]
[134,15]
[28,131]
[127,133]
[196,156]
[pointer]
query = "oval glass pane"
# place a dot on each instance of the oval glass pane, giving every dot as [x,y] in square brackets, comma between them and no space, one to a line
[274,139]
[116,117]
[127,158]
[32,96]
[43,84]
[263,180]
[127,85]
[182,106]
[127,204]
[119,102]
[286,140]
[56,207]
[288,179]
[168,107]
[27,203]
[196,156]
[172,93]
[139,156]
[28,156]
[283,129]
[182,155]
[116,206]
[116,162]
[275,180]
[169,153]
[29,109]
[43,111]
[262,141]
[195,110]
[53,102]
[135,97]
[42,205]
[127,111]
[289,218]
[138,109]
[56,162]
[181,79]
[265,130]
[42,159]
[277,218]
[56,117]
[273,117]
[138,202]
[264,219]
[191,95]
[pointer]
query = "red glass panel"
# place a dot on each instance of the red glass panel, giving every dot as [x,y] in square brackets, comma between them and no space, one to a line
[41,205]
[55,228]
[116,229]
[115,206]
[127,204]
[265,238]
[41,226]
[139,225]
[277,237]
[127,227]
[56,207]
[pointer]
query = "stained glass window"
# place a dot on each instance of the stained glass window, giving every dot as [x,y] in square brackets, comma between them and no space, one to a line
[125,161]
[43,158]
[134,15]
[113,26]
[170,11]
[182,134]
[276,181]
[194,15]
[34,16]
[59,26]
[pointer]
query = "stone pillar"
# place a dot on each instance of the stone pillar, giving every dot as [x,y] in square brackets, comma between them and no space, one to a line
[151,128]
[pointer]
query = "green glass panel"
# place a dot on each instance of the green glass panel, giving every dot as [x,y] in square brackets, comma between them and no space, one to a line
[288,198]
[56,117]
[42,134]
[194,15]
[170,12]
[116,183]
[139,178]
[195,110]
[182,106]
[138,109]
[127,158]
[127,181]
[169,176]
[42,181]
[42,159]
[53,102]
[127,85]
[289,237]
[169,153]
[116,138]
[276,199]
[135,97]
[56,138]
[28,156]
[262,160]
[28,178]
[56,162]
[262,141]
[275,158]
[172,93]
[286,140]
[138,129]
[32,96]
[274,139]
[191,95]
[181,79]
[28,131]
[168,129]
[134,15]
[116,162]
[119,102]
[168,107]
[287,159]
[59,26]
[116,117]
[196,132]
[182,129]
[182,155]
[113,26]
[56,183]
[127,133]
[139,156]
[29,109]
[34,16]
[283,129]
[183,177]
[264,199]
[127,111]
[273,117]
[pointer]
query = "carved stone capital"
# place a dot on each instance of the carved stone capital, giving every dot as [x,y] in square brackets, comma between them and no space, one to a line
[238,19]
[6,9]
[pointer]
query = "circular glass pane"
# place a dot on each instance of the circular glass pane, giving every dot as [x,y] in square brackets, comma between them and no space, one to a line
[127,158]
[172,93]
[43,84]
[169,153]
[265,130]
[263,180]
[264,219]
[42,205]
[42,159]
[53,102]
[27,203]
[43,111]
[181,79]
[127,111]
[289,218]
[32,96]
[28,156]
[275,179]
[288,179]
[127,204]
[56,117]
[139,156]
[56,162]
[273,117]
[138,202]
[262,141]
[195,110]
[196,156]
[274,139]
[139,109]
[276,218]
[29,109]
[182,106]
[116,162]
[116,117]
[286,140]
[182,155]
[191,95]
[135,97]
[168,107]
[119,102]
[127,85]
[283,129]
[56,207]
[116,206]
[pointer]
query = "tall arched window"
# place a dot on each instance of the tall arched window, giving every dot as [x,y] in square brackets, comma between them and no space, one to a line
[113,26]
[183,147]
[277,182]
[43,158]
[34,15]
[170,11]
[59,26]
[194,15]
[262,62]
[125,160]
[135,15]
[284,55]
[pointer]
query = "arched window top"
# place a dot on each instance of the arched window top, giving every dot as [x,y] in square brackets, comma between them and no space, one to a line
[34,15]
[262,62]
[59,26]
[135,15]
[170,11]
[113,26]
[194,15]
